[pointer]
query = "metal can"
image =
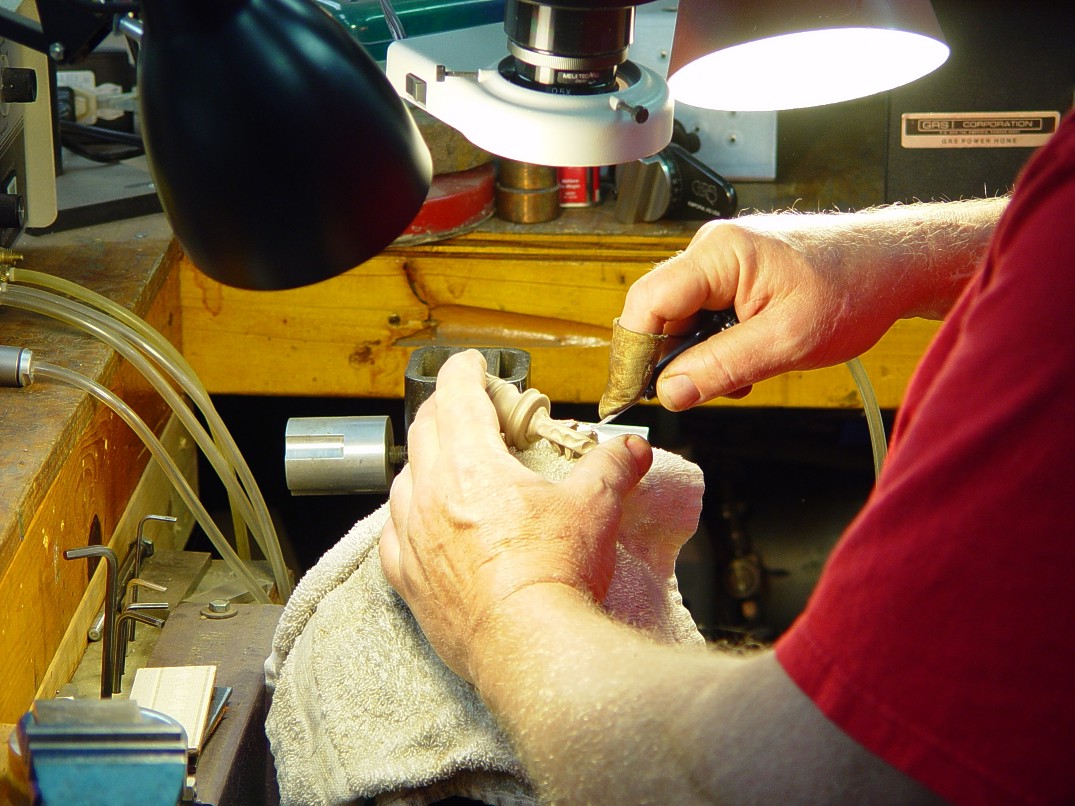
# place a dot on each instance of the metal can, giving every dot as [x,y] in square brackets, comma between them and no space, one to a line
[580,187]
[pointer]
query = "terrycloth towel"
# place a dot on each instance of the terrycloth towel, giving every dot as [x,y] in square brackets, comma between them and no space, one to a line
[363,708]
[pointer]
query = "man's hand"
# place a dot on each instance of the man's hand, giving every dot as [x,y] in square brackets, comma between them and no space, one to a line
[810,290]
[470,526]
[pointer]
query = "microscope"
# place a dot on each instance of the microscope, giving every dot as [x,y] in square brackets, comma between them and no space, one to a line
[552,85]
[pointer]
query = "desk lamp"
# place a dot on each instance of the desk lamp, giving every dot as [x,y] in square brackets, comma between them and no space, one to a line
[764,55]
[280,154]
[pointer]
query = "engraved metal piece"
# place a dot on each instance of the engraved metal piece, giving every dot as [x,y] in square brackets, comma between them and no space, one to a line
[632,358]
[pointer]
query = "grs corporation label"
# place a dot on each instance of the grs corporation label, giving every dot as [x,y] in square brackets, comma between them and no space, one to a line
[977,129]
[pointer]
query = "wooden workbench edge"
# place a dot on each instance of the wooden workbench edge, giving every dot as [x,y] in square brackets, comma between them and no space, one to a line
[70,465]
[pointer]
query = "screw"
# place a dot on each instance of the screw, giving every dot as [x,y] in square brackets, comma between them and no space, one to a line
[56,51]
[639,113]
[218,608]
[397,454]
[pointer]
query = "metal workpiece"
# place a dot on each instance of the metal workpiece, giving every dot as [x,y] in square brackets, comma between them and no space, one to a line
[111,627]
[16,366]
[526,175]
[339,455]
[133,584]
[349,455]
[218,609]
[510,364]
[143,547]
[140,549]
[526,193]
[108,637]
[97,628]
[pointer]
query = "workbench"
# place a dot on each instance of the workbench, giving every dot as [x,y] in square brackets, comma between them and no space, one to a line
[70,471]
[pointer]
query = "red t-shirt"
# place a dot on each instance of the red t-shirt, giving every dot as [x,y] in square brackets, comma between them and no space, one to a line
[941,635]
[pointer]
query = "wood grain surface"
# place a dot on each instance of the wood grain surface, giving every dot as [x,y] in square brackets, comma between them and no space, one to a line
[552,294]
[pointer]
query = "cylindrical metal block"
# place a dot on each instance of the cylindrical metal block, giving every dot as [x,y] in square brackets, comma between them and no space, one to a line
[527,193]
[526,175]
[16,366]
[527,206]
[338,455]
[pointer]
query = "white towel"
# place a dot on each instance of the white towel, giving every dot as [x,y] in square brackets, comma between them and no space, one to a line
[364,709]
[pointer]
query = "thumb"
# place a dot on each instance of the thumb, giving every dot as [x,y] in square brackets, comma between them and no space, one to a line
[613,468]
[389,551]
[724,364]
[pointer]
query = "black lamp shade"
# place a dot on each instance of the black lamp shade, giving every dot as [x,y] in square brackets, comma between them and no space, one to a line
[281,154]
[775,54]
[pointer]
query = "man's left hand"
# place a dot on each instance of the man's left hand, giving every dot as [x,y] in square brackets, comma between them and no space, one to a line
[471,526]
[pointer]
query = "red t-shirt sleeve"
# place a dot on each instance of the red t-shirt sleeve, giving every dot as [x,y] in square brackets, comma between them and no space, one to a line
[941,635]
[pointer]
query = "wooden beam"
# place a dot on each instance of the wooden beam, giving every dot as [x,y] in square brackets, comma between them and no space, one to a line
[554,295]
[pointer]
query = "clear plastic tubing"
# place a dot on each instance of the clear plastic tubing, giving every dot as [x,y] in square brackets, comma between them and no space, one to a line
[151,336]
[145,433]
[122,339]
[112,333]
[873,414]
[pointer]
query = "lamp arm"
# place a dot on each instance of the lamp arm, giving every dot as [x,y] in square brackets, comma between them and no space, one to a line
[65,33]
[23,30]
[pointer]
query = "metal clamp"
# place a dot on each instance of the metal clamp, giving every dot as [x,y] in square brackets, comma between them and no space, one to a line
[346,455]
[99,752]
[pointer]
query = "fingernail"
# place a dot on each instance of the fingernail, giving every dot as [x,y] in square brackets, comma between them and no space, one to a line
[678,392]
[640,448]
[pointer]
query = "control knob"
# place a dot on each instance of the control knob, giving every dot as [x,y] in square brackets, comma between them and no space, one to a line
[18,85]
[672,184]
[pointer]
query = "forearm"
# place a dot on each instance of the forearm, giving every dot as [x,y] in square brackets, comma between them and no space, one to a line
[915,257]
[597,711]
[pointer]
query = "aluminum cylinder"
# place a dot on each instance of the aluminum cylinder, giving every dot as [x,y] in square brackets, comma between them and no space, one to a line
[16,366]
[338,455]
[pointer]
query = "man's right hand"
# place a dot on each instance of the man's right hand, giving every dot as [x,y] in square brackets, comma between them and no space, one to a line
[810,290]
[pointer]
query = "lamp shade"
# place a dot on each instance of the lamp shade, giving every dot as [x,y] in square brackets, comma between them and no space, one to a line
[280,152]
[758,55]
